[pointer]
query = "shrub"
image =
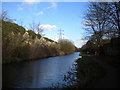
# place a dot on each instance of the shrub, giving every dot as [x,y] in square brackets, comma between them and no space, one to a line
[66,46]
[32,34]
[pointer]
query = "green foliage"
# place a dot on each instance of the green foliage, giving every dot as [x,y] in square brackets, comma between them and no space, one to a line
[11,37]
[8,27]
[49,39]
[11,59]
[38,36]
[32,33]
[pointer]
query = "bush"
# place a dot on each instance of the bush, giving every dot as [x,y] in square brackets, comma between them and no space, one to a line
[67,46]
[32,34]
[22,52]
[8,27]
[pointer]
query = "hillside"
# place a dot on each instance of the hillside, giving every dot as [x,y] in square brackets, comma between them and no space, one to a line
[20,44]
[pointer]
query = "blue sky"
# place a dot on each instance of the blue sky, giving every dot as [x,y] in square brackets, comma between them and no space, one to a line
[52,15]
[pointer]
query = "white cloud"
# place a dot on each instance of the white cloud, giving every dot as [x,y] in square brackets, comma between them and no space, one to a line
[20,8]
[81,38]
[39,13]
[79,42]
[47,27]
[89,22]
[53,5]
[31,1]
[29,4]
[63,37]
[56,38]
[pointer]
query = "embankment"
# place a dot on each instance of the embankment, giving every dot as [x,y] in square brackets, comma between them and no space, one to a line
[19,44]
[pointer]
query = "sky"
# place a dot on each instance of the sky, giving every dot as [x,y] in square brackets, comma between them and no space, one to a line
[69,16]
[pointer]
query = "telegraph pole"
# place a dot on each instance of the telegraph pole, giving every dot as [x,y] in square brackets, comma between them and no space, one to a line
[60,34]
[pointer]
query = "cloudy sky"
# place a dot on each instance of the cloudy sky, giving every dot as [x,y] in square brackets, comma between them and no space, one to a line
[52,16]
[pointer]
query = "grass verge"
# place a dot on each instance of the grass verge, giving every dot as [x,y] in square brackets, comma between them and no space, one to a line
[88,72]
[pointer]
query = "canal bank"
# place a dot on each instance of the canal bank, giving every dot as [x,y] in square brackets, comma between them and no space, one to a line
[111,77]
[97,72]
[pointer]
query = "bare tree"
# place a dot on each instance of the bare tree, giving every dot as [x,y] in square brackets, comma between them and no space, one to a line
[113,18]
[98,22]
[20,22]
[102,20]
[3,15]
[115,15]
[36,28]
[32,26]
[96,19]
[39,30]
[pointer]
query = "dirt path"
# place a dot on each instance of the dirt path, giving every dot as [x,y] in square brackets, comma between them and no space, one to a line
[110,80]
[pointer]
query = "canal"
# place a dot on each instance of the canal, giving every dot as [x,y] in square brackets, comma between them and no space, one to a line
[44,73]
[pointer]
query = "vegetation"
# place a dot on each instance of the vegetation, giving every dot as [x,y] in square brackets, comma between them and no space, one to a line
[19,44]
[32,34]
[67,46]
[49,39]
[90,47]
[87,73]
[102,23]
[111,60]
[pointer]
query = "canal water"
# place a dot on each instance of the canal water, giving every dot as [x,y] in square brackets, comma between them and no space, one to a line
[44,73]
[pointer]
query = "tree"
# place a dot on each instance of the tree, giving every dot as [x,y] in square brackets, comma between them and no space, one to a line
[4,16]
[36,27]
[39,30]
[99,21]
[32,26]
[114,15]
[66,46]
[20,22]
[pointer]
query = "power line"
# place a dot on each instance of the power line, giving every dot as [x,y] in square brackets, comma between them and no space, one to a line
[60,34]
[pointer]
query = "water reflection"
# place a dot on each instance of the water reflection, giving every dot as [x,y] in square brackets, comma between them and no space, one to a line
[49,72]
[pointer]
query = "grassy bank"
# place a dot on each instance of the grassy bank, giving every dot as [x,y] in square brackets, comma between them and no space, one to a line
[87,72]
[111,60]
